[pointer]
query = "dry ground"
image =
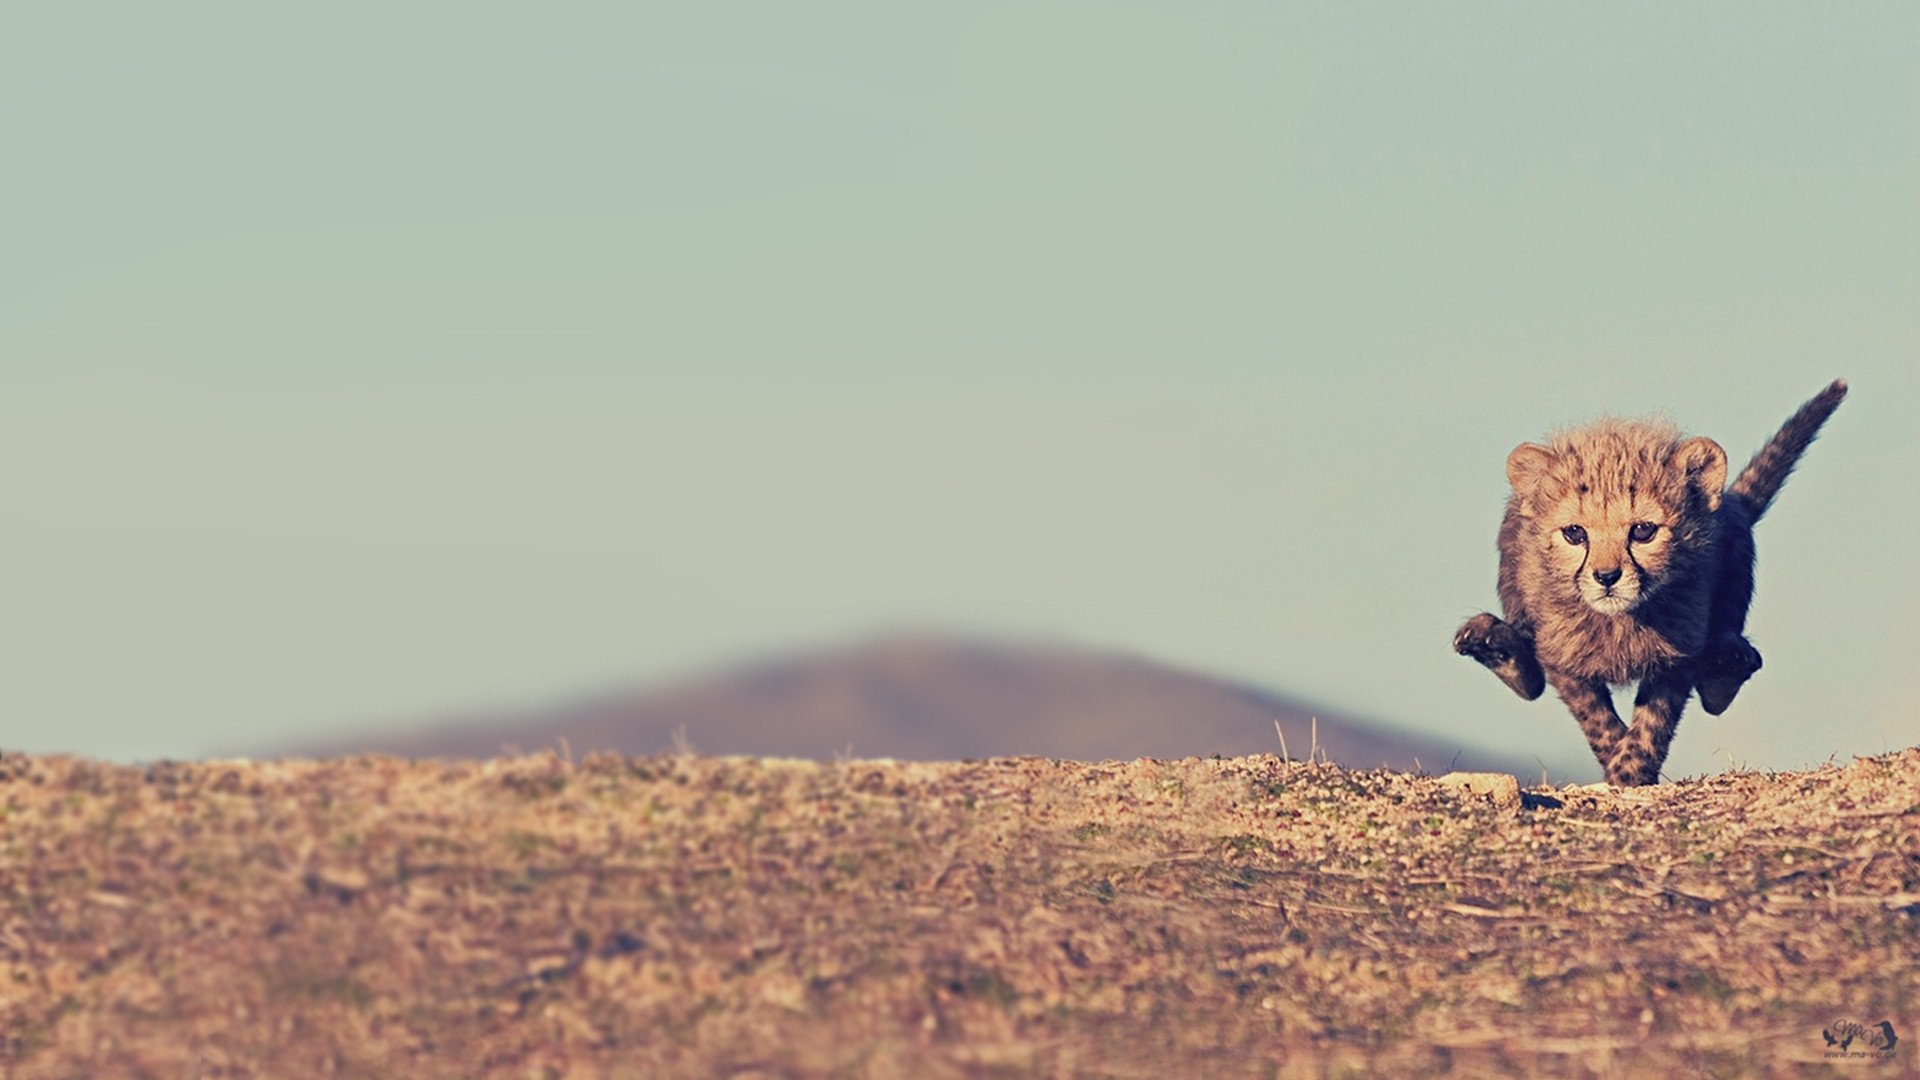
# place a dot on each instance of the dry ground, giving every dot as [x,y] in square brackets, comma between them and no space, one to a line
[685,916]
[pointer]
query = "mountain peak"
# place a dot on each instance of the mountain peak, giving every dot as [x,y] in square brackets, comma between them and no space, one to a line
[918,695]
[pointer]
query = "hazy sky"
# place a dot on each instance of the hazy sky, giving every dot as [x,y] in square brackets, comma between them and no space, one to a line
[364,363]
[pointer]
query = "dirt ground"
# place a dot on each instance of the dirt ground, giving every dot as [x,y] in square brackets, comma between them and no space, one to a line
[688,916]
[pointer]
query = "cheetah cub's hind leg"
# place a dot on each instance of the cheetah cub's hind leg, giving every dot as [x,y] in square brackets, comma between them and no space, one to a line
[1725,667]
[1502,650]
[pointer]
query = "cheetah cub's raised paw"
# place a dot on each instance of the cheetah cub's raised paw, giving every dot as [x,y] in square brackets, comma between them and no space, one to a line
[1502,650]
[1725,667]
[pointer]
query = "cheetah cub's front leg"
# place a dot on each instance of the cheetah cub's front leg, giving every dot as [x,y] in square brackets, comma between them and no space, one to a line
[1638,755]
[1501,649]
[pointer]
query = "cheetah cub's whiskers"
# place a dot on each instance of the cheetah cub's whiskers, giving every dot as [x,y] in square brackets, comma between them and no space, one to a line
[1624,556]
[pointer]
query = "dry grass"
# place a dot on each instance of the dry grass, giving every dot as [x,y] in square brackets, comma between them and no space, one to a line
[694,916]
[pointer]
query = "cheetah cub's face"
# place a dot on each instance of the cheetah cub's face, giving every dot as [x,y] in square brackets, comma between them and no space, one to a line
[1612,505]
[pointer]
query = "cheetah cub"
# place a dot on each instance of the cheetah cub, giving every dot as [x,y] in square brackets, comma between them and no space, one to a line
[1621,559]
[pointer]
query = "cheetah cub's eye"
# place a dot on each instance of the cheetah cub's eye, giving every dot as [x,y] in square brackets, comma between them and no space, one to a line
[1642,532]
[1574,534]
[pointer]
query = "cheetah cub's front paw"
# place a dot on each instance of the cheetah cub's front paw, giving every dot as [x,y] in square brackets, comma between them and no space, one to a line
[1501,650]
[1724,669]
[1632,766]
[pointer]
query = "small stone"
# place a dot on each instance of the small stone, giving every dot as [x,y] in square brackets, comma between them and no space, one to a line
[1502,788]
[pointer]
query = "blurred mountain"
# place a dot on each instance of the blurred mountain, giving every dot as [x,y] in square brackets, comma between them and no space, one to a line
[928,698]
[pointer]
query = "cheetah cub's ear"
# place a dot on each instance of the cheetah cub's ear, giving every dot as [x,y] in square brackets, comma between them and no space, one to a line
[1526,465]
[1705,466]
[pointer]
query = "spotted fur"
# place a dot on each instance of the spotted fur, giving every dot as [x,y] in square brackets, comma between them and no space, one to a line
[1625,556]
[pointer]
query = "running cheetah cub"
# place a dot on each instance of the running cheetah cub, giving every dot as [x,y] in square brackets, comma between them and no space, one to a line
[1621,559]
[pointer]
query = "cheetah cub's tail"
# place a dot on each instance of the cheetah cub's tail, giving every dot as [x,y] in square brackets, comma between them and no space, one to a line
[1760,481]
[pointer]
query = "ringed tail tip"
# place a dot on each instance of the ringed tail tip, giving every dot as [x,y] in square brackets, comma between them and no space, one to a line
[1828,399]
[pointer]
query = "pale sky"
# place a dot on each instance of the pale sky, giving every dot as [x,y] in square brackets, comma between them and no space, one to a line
[372,363]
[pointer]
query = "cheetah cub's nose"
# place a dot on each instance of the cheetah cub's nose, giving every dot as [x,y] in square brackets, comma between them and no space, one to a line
[1607,577]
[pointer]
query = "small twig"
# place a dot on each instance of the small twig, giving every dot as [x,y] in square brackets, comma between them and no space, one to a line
[1802,845]
[1284,756]
[1890,902]
[1585,868]
[1184,856]
[1484,913]
[1451,879]
[1581,1045]
[1336,907]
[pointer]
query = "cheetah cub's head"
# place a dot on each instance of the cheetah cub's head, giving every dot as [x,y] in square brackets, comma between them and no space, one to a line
[1615,509]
